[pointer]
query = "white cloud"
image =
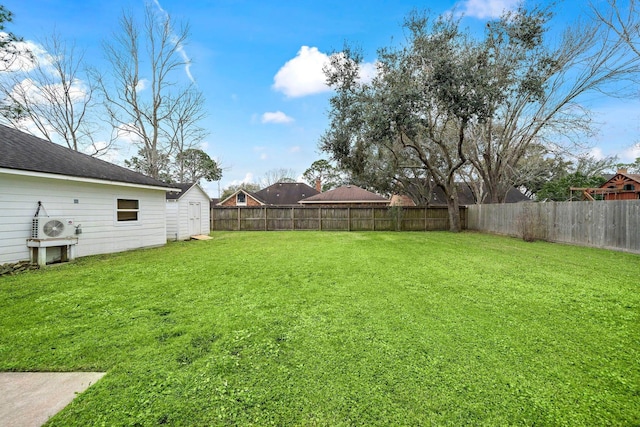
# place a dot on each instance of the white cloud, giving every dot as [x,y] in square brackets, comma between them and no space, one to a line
[264,156]
[22,61]
[487,8]
[127,135]
[368,71]
[142,85]
[630,154]
[28,90]
[597,153]
[276,117]
[303,74]
[295,149]
[248,179]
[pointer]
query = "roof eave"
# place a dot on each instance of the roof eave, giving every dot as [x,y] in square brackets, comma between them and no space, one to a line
[46,175]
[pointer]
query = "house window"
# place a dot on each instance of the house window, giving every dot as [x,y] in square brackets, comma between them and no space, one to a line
[241,199]
[127,210]
[629,187]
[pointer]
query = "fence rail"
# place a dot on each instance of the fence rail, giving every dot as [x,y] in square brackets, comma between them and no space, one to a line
[331,218]
[604,224]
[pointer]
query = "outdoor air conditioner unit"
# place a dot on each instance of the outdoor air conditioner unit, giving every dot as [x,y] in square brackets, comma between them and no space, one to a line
[52,228]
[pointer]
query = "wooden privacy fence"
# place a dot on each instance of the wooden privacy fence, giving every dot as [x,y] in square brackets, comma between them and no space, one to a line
[331,218]
[603,224]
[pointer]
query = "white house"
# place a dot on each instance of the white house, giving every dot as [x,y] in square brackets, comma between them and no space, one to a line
[89,206]
[188,212]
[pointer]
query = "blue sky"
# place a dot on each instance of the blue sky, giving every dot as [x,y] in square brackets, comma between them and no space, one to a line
[258,64]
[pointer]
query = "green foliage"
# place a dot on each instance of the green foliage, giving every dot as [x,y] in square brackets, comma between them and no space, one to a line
[559,188]
[415,120]
[323,170]
[585,173]
[7,42]
[633,167]
[372,329]
[142,164]
[191,165]
[194,165]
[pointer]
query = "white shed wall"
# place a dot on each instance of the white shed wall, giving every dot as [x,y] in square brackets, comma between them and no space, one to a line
[95,210]
[178,222]
[172,219]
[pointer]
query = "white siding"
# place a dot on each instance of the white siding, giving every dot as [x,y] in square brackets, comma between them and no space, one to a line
[95,211]
[172,219]
[180,223]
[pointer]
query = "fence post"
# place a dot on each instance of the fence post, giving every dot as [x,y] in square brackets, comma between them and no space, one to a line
[426,218]
[320,218]
[373,217]
[239,219]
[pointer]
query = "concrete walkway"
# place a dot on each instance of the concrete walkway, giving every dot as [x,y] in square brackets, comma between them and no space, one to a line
[29,399]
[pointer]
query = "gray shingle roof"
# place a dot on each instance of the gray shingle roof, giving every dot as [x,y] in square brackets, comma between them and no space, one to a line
[172,195]
[21,151]
[285,193]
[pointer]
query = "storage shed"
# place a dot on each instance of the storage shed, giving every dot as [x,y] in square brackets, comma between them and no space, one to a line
[188,212]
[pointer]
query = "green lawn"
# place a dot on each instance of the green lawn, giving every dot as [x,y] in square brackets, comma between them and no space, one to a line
[310,328]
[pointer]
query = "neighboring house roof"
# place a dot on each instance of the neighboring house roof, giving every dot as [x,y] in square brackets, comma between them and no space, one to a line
[621,177]
[248,194]
[21,151]
[346,194]
[466,196]
[621,186]
[285,193]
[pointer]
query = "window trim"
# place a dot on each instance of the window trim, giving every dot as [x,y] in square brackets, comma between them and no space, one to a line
[238,202]
[127,210]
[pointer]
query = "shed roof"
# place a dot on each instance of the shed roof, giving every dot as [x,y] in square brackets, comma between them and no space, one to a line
[174,195]
[346,194]
[21,151]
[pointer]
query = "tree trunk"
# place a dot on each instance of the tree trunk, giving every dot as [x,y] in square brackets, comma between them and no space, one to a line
[453,207]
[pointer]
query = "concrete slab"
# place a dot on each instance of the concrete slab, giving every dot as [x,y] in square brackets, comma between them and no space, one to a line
[29,399]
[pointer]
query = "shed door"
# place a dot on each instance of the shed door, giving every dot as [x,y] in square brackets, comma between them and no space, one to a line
[194,219]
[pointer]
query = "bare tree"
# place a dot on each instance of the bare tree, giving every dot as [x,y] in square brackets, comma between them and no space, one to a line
[50,97]
[587,60]
[273,176]
[142,92]
[185,134]
[624,22]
